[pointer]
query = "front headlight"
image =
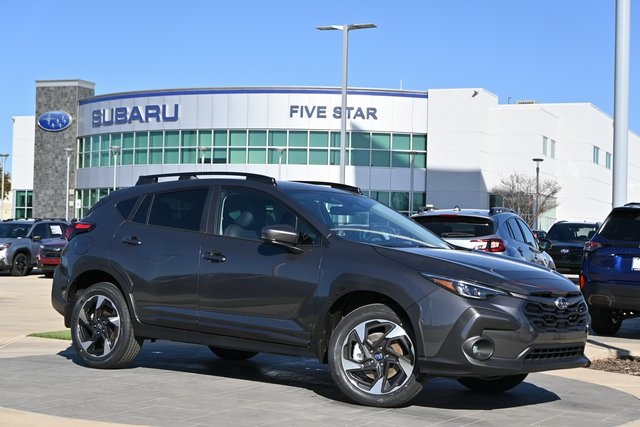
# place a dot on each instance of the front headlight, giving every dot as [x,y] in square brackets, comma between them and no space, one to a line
[465,288]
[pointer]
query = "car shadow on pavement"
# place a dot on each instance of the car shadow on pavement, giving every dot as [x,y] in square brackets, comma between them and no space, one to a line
[290,371]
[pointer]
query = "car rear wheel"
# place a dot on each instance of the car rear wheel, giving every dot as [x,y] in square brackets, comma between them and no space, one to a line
[605,321]
[492,384]
[101,329]
[372,358]
[20,265]
[228,354]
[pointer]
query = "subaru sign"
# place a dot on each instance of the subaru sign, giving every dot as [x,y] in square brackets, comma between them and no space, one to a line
[54,121]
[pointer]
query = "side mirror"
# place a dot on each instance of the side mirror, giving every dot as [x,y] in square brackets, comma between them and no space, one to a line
[282,235]
[544,244]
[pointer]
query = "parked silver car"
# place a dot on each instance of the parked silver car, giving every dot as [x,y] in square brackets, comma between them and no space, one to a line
[496,230]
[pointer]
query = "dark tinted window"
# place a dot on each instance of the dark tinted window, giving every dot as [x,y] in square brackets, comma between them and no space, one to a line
[179,209]
[125,206]
[529,238]
[47,230]
[622,225]
[514,230]
[568,232]
[457,225]
[143,210]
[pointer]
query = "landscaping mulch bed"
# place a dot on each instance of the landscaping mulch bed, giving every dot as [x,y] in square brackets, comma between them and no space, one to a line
[623,365]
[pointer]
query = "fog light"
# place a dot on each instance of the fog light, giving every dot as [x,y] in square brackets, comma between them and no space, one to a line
[479,348]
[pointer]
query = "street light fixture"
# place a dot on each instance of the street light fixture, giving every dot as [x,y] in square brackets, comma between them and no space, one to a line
[343,109]
[537,160]
[115,149]
[4,159]
[69,151]
[203,150]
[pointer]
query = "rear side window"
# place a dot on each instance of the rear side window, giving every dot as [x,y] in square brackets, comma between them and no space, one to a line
[622,225]
[178,209]
[457,225]
[125,206]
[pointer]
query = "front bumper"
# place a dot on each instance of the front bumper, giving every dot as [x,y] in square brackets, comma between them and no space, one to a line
[502,336]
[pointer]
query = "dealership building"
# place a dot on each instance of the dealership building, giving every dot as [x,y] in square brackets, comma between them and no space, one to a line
[408,149]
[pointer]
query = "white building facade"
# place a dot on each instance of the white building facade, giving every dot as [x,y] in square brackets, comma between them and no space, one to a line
[443,147]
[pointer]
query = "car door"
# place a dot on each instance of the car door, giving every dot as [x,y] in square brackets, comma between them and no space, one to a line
[527,244]
[253,289]
[158,251]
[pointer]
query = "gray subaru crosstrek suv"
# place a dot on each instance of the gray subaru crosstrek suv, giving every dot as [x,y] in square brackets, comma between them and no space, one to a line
[245,264]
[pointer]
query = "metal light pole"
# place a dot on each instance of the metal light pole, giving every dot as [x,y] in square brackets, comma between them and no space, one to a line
[115,149]
[280,153]
[537,160]
[202,149]
[66,197]
[343,109]
[4,159]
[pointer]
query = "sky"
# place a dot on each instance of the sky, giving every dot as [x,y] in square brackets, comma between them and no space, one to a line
[550,51]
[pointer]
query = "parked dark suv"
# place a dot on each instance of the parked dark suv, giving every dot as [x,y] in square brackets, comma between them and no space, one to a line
[567,241]
[244,264]
[610,276]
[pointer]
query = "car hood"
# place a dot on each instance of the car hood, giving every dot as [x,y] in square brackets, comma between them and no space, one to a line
[507,274]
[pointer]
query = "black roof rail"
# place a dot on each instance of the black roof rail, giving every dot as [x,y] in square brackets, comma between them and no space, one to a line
[150,179]
[336,185]
[633,204]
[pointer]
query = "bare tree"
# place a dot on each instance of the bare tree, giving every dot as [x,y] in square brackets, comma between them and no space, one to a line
[518,192]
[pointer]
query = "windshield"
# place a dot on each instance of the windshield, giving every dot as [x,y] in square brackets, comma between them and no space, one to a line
[361,219]
[13,230]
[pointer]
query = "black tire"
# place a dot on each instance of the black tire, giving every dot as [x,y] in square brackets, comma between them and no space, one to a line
[372,358]
[492,384]
[228,354]
[48,274]
[101,329]
[20,265]
[605,321]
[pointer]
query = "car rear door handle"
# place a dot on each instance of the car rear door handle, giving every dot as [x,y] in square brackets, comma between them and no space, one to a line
[214,256]
[132,240]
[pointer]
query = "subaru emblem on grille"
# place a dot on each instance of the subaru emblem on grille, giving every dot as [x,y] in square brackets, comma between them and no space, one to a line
[564,251]
[562,303]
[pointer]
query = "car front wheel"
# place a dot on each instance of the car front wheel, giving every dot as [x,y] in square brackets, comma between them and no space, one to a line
[492,384]
[372,358]
[101,329]
[20,265]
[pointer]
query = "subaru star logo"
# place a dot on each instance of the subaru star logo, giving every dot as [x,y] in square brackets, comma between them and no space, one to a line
[562,303]
[54,121]
[564,251]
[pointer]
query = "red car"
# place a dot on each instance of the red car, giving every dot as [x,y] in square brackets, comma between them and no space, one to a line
[48,256]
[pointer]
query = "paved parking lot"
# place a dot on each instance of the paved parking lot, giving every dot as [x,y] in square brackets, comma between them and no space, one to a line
[180,384]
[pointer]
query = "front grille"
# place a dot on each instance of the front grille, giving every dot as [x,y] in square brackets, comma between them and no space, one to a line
[51,253]
[555,353]
[546,317]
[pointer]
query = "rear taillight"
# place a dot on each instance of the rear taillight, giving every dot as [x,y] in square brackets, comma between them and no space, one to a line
[582,281]
[490,245]
[76,228]
[591,246]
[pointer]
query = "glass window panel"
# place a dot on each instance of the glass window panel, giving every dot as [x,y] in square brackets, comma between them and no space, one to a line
[105,158]
[116,139]
[171,155]
[553,149]
[155,156]
[319,139]
[420,142]
[238,155]
[205,138]
[382,197]
[318,157]
[141,157]
[142,140]
[189,138]
[360,140]
[172,139]
[238,138]
[298,139]
[335,139]
[220,138]
[420,160]
[219,155]
[360,157]
[400,200]
[419,201]
[86,160]
[278,138]
[381,141]
[156,139]
[401,142]
[399,160]
[188,155]
[258,155]
[204,156]
[105,142]
[95,143]
[334,157]
[380,158]
[95,159]
[127,157]
[274,156]
[257,138]
[127,140]
[297,157]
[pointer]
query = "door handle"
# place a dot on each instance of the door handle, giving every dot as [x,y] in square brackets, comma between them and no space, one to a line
[132,240]
[214,256]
